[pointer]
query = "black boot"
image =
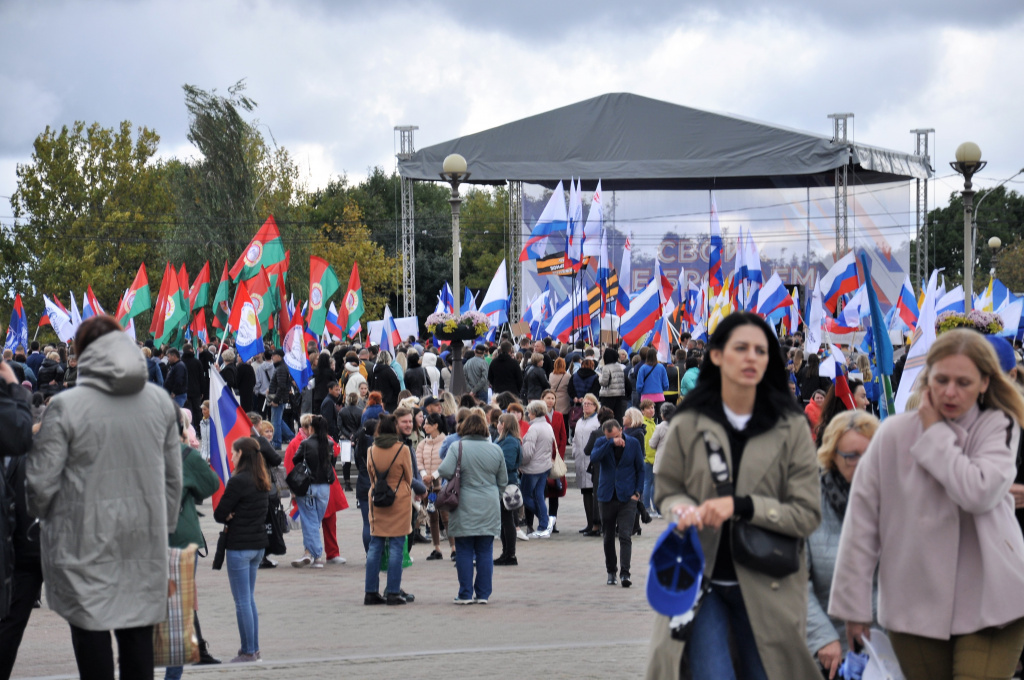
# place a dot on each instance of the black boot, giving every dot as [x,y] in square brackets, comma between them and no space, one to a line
[205,658]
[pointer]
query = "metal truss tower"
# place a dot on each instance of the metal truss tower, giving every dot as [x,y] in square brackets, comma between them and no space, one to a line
[406,150]
[515,245]
[839,136]
[921,249]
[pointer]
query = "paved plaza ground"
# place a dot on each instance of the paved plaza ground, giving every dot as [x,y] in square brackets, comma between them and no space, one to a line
[551,617]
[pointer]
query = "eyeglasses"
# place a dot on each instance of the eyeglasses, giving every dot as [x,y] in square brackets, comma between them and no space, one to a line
[849,457]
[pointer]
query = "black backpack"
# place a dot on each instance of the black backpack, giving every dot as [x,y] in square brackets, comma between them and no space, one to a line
[383,495]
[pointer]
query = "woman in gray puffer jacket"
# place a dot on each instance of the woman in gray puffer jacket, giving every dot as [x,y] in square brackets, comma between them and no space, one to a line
[613,384]
[104,479]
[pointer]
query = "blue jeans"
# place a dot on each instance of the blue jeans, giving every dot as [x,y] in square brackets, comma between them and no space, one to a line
[242,566]
[312,507]
[482,549]
[533,497]
[708,649]
[373,558]
[648,495]
[180,400]
[280,427]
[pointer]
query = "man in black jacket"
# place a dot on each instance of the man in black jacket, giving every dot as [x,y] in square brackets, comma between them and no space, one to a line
[504,374]
[15,440]
[246,385]
[194,368]
[176,380]
[279,395]
[329,408]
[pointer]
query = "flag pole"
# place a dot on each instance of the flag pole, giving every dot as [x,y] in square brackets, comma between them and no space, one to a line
[223,337]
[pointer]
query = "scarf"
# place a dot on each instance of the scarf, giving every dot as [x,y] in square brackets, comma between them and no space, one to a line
[386,441]
[837,491]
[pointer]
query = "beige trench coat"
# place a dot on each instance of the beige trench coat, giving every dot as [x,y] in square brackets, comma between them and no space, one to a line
[780,474]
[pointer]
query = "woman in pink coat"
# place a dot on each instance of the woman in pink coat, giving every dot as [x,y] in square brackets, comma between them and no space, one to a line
[930,508]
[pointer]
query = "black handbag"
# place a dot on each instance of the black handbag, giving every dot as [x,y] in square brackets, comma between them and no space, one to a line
[753,547]
[277,527]
[383,495]
[299,479]
[222,546]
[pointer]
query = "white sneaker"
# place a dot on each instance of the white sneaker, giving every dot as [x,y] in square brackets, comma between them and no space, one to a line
[303,561]
[541,534]
[479,601]
[319,562]
[337,560]
[521,535]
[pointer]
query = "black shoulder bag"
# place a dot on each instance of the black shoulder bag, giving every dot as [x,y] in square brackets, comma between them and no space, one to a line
[753,547]
[383,495]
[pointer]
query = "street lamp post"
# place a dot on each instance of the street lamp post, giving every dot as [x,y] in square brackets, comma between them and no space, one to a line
[454,171]
[994,244]
[968,161]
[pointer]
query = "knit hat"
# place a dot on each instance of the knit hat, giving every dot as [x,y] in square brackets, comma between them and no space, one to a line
[1004,350]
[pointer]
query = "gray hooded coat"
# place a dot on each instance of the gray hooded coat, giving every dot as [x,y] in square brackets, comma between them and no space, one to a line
[104,479]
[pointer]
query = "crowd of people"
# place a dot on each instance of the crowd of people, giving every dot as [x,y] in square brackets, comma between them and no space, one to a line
[908,527]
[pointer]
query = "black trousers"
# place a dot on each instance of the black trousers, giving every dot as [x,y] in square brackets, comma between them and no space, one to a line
[590,508]
[27,584]
[617,520]
[95,655]
[508,532]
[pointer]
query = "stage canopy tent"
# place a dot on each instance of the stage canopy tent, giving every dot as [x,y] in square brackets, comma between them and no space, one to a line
[637,143]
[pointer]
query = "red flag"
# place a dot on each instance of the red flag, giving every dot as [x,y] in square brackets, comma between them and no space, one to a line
[200,288]
[133,303]
[62,307]
[156,326]
[265,248]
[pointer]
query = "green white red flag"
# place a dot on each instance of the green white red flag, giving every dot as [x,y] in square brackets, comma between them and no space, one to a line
[265,249]
[323,283]
[136,300]
[352,306]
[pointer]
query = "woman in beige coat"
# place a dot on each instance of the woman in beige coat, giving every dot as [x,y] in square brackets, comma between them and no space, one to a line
[388,456]
[930,508]
[742,403]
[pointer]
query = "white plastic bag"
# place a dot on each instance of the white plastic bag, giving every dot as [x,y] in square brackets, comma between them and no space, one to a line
[882,662]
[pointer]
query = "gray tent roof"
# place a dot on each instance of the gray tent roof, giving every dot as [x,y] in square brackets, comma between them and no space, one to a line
[633,142]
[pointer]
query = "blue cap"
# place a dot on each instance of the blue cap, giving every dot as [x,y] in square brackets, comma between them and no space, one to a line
[1004,350]
[677,568]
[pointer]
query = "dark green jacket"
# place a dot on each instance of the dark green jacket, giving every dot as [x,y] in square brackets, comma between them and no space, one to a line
[199,481]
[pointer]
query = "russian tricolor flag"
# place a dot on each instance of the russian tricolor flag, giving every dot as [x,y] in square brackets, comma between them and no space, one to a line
[772,295]
[561,322]
[390,338]
[552,220]
[716,278]
[228,423]
[906,306]
[840,280]
[644,311]
[331,324]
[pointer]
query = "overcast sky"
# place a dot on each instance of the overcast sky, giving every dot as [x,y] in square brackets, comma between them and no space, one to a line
[332,79]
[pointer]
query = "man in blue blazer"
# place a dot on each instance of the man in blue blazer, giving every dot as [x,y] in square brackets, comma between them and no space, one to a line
[621,462]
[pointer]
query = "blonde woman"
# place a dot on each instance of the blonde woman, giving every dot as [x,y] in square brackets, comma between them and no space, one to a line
[843,444]
[930,509]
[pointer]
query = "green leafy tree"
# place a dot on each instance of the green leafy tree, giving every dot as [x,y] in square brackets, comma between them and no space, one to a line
[222,198]
[88,210]
[999,213]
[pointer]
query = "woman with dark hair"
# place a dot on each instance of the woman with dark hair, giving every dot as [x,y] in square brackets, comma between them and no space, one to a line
[415,376]
[323,375]
[503,400]
[390,460]
[652,379]
[374,407]
[742,414]
[428,455]
[810,381]
[243,511]
[317,452]
[384,379]
[613,384]
[477,520]
[834,405]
